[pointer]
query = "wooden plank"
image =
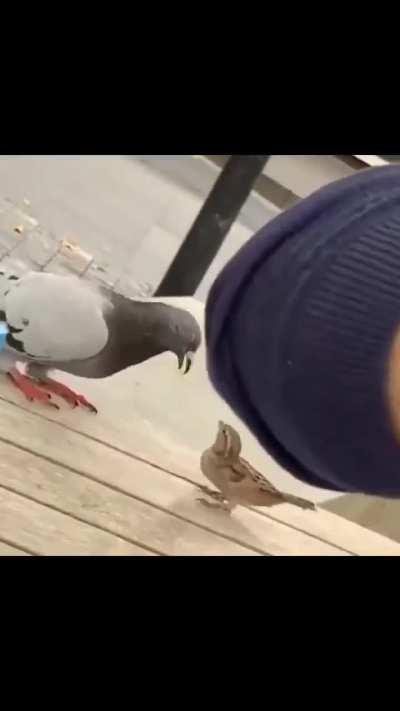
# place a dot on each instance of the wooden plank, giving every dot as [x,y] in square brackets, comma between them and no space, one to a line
[114,512]
[48,532]
[7,550]
[53,485]
[335,529]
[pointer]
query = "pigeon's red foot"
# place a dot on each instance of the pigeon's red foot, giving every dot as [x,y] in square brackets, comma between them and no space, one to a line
[74,399]
[30,389]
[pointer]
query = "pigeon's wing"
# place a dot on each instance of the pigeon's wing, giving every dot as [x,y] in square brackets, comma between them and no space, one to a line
[55,318]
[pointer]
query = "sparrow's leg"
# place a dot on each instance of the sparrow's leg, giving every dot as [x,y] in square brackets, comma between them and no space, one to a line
[224,505]
[212,493]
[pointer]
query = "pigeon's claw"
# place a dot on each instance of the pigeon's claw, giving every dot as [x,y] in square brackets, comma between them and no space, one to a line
[30,389]
[73,398]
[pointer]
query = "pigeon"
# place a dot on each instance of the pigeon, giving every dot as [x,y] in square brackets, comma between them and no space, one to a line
[49,321]
[236,480]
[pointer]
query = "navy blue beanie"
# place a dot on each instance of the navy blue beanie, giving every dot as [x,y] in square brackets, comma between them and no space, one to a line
[299,327]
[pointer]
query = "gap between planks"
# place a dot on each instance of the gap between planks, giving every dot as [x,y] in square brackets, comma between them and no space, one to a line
[48,532]
[62,511]
[123,522]
[8,548]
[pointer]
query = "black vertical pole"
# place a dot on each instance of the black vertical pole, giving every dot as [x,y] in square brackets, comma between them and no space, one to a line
[211,225]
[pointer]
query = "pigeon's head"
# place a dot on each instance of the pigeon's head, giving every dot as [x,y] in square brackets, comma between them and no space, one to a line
[184,338]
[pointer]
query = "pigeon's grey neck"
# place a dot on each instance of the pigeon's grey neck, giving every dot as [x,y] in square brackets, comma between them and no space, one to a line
[138,330]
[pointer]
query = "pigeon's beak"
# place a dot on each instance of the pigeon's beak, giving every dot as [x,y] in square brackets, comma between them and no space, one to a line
[189,361]
[186,361]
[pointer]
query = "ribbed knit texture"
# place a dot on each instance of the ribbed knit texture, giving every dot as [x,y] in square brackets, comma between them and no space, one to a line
[299,326]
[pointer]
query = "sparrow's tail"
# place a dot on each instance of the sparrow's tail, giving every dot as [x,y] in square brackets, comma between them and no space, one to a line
[297,501]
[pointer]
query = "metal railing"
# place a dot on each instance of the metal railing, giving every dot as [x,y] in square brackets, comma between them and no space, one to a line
[211,226]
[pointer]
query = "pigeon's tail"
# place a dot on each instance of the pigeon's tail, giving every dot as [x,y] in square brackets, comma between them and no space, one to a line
[297,501]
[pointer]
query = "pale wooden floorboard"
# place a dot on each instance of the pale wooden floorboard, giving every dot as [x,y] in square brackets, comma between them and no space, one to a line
[114,512]
[19,423]
[47,532]
[7,550]
[157,488]
[335,529]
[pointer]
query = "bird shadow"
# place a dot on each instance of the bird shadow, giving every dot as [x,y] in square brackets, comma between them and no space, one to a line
[218,521]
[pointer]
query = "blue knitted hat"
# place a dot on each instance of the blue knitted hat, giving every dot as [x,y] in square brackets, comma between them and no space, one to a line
[299,327]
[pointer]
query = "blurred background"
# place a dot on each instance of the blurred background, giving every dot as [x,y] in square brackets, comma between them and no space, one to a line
[131,213]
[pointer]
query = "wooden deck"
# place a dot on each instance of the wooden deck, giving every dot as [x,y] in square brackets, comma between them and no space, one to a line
[124,482]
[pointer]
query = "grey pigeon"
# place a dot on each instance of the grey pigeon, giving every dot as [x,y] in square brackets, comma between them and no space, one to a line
[65,323]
